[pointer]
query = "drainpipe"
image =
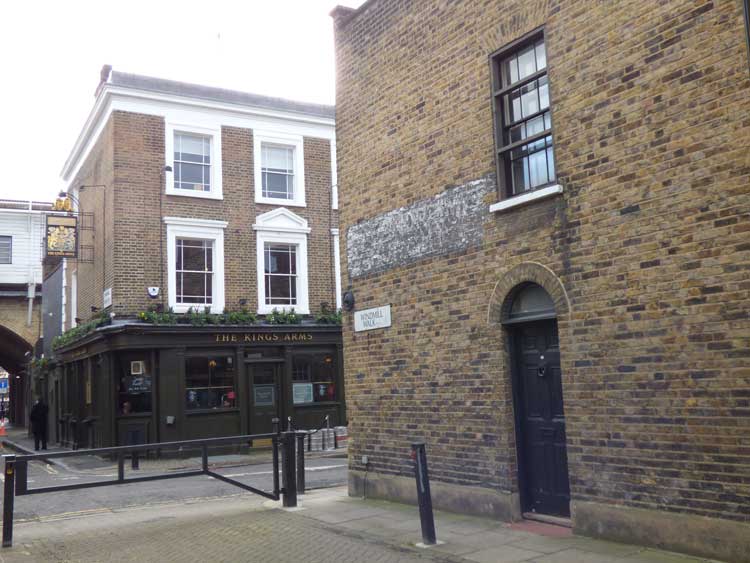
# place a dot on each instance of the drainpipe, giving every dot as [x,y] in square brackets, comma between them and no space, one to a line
[30,293]
[31,288]
[64,288]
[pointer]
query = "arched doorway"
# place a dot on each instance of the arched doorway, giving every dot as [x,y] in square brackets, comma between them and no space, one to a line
[530,318]
[15,353]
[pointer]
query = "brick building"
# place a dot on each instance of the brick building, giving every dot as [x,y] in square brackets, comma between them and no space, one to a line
[21,253]
[199,209]
[550,202]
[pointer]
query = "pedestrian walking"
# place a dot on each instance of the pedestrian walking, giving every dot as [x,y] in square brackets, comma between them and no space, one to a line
[38,416]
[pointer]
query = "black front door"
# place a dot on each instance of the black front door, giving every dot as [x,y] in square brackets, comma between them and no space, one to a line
[539,407]
[265,396]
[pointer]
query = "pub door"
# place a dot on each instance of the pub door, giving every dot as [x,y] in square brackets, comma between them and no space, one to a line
[266,396]
[540,417]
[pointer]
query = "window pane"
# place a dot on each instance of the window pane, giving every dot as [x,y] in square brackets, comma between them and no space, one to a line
[276,184]
[192,176]
[538,168]
[510,70]
[547,121]
[520,175]
[551,164]
[514,107]
[543,93]
[210,383]
[194,258]
[194,288]
[279,289]
[192,148]
[529,99]
[517,132]
[6,244]
[278,158]
[526,62]
[541,56]
[534,126]
[319,371]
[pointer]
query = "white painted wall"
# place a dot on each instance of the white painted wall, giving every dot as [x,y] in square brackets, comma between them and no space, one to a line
[27,230]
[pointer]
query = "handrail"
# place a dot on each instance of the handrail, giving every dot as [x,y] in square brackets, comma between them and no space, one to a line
[141,447]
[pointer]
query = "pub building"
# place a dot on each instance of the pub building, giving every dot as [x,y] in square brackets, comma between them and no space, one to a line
[131,383]
[205,217]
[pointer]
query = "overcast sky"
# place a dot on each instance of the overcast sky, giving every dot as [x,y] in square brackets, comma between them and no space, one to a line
[51,53]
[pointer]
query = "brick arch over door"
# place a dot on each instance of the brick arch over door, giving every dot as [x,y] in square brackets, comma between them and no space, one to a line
[524,273]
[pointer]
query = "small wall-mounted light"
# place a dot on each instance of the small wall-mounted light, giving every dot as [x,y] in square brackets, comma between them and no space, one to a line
[348,300]
[243,302]
[167,168]
[94,309]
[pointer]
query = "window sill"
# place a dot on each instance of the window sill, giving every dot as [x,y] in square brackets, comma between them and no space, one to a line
[525,198]
[194,193]
[278,201]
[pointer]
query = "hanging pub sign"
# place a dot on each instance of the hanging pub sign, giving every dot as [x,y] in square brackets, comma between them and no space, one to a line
[61,236]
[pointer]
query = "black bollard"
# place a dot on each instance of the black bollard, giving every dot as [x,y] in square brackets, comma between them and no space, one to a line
[301,463]
[8,498]
[419,455]
[289,478]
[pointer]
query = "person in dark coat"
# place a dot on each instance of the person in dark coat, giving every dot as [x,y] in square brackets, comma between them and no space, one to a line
[38,416]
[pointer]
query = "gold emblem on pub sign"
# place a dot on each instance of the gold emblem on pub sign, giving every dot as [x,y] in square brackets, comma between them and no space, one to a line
[61,236]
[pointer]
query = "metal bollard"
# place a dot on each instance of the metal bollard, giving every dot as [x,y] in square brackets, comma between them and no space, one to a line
[22,473]
[301,463]
[275,441]
[419,455]
[204,458]
[8,499]
[289,478]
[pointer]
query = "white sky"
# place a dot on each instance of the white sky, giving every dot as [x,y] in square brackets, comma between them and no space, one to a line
[51,53]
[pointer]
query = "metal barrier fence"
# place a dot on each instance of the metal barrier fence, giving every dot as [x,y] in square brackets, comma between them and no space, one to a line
[16,470]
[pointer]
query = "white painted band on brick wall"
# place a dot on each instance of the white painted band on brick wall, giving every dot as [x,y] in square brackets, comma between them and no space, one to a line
[448,222]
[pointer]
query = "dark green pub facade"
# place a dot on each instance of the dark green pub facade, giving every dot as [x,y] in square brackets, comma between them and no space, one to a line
[136,383]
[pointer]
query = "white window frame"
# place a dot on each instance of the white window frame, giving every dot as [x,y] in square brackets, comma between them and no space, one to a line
[214,133]
[296,142]
[283,227]
[10,249]
[179,227]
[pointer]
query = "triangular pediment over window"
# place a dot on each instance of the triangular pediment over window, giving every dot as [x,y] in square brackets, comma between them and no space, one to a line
[281,220]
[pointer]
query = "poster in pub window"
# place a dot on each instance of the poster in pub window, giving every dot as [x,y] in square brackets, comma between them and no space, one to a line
[61,236]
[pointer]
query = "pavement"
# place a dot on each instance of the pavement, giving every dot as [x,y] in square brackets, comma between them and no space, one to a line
[327,527]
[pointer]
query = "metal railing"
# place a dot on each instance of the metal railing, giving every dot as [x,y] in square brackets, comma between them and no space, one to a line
[16,470]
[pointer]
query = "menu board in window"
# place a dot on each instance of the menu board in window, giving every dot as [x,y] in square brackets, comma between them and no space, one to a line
[302,393]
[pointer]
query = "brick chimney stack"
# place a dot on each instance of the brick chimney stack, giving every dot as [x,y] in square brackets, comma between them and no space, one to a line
[103,78]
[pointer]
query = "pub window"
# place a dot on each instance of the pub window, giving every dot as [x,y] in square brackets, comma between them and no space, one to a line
[210,382]
[280,265]
[194,271]
[134,389]
[314,378]
[523,123]
[192,162]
